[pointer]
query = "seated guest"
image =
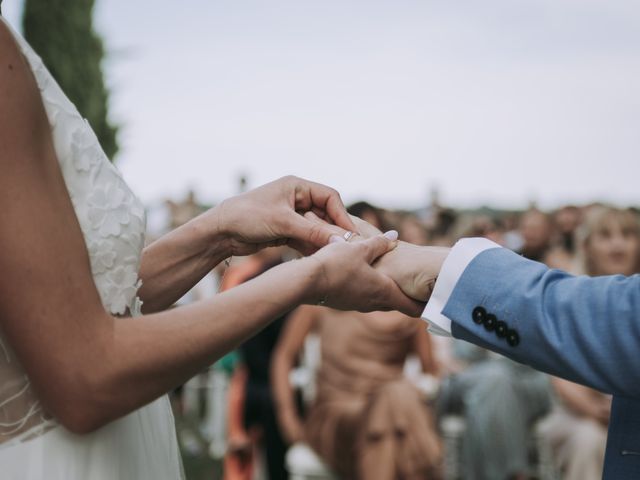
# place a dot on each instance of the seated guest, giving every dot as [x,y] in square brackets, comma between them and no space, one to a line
[251,410]
[577,428]
[499,400]
[367,421]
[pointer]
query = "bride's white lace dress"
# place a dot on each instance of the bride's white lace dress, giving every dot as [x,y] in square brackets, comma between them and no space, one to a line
[33,445]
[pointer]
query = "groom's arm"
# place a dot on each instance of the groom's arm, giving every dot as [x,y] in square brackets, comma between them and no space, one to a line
[583,329]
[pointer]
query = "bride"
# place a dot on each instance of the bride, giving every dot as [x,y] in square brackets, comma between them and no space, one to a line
[87,347]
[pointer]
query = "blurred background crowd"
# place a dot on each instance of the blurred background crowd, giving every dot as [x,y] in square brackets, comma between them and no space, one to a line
[327,394]
[496,102]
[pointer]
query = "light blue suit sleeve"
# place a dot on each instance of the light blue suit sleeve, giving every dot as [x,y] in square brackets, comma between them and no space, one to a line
[584,329]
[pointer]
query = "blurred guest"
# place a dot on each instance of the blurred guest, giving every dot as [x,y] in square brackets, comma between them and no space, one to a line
[577,428]
[183,211]
[562,254]
[536,229]
[442,228]
[367,421]
[412,230]
[499,400]
[174,214]
[369,213]
[512,237]
[484,226]
[252,400]
[610,240]
[567,220]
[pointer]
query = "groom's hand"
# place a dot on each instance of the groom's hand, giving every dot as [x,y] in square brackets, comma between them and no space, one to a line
[414,268]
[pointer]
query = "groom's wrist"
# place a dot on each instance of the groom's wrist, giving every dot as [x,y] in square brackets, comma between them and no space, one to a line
[451,270]
[416,268]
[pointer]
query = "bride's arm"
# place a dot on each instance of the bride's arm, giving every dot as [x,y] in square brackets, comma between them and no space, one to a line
[174,263]
[87,366]
[239,226]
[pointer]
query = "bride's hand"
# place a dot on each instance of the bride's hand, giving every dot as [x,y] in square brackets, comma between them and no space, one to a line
[274,215]
[347,280]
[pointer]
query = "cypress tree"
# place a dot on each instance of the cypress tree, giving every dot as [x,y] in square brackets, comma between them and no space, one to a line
[61,32]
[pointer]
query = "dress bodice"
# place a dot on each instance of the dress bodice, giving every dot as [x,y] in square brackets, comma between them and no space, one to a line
[112,221]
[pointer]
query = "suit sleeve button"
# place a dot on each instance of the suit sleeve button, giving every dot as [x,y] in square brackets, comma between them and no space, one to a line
[513,338]
[478,315]
[501,329]
[490,322]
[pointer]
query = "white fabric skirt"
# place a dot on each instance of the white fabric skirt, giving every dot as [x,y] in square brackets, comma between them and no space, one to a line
[140,446]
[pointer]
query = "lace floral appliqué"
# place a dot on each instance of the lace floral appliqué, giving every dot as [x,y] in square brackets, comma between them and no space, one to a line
[86,152]
[112,220]
[122,285]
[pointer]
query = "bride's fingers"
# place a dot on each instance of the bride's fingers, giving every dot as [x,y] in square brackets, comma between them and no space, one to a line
[313,216]
[364,228]
[309,232]
[321,214]
[311,195]
[337,231]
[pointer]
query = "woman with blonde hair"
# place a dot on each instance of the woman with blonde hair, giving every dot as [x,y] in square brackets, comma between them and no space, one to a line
[609,244]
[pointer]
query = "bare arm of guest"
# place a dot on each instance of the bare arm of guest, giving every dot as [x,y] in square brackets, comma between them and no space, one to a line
[299,324]
[424,350]
[583,401]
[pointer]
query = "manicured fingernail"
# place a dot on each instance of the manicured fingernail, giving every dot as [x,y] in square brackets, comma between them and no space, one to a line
[391,235]
[336,239]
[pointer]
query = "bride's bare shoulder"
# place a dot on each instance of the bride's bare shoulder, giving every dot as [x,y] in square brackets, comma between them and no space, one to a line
[9,50]
[23,118]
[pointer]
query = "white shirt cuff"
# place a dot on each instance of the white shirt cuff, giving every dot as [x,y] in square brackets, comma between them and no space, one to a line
[462,253]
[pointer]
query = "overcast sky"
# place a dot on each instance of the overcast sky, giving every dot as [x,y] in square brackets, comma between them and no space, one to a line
[494,102]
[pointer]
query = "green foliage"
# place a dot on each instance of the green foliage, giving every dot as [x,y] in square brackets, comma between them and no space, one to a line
[62,33]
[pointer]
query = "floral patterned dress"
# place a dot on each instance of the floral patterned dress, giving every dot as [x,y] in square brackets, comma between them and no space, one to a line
[33,445]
